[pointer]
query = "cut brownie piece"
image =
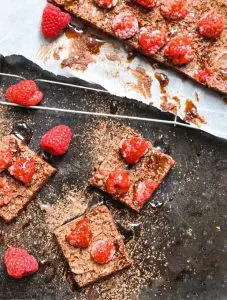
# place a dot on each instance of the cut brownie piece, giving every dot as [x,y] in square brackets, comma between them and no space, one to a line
[18,194]
[144,176]
[81,260]
[207,53]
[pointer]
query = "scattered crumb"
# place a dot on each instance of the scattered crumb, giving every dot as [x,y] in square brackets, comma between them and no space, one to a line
[192,115]
[144,81]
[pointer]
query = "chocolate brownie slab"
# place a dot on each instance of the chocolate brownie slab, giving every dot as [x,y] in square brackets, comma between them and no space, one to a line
[84,268]
[154,166]
[208,53]
[21,194]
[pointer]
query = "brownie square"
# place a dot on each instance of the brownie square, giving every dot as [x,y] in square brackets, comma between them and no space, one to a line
[153,165]
[85,270]
[22,194]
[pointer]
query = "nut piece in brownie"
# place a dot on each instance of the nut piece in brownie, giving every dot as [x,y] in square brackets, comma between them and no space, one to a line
[92,246]
[132,170]
[22,174]
[188,35]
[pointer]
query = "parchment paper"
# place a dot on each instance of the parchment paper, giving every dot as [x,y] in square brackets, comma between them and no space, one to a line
[20,34]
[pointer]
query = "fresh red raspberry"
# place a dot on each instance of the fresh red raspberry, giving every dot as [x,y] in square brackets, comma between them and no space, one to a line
[23,169]
[125,25]
[151,40]
[24,93]
[211,25]
[102,251]
[179,50]
[174,9]
[5,192]
[19,263]
[5,159]
[118,183]
[80,235]
[204,75]
[146,3]
[106,4]
[54,21]
[56,141]
[132,149]
[143,191]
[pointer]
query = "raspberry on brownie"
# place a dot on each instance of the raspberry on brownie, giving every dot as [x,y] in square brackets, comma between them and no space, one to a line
[103,255]
[179,50]
[151,40]
[146,3]
[211,25]
[173,9]
[125,25]
[148,170]
[26,174]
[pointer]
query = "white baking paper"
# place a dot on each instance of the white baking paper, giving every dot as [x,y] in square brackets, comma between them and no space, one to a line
[20,34]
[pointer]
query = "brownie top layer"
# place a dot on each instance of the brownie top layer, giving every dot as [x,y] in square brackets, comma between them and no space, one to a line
[21,193]
[83,267]
[154,165]
[210,54]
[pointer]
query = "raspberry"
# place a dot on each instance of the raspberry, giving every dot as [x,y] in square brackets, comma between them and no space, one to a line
[143,191]
[173,9]
[151,40]
[203,75]
[125,25]
[54,21]
[146,3]
[23,169]
[5,192]
[24,93]
[5,159]
[118,183]
[19,263]
[132,149]
[81,235]
[179,50]
[106,4]
[102,251]
[56,141]
[211,25]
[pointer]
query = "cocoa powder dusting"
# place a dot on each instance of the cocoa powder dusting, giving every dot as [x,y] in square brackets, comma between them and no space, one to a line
[73,204]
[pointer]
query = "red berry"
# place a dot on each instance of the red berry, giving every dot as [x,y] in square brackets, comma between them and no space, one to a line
[106,4]
[143,191]
[118,183]
[56,141]
[211,25]
[80,235]
[23,169]
[54,21]
[146,3]
[24,93]
[173,9]
[151,40]
[204,75]
[132,149]
[179,50]
[5,159]
[102,251]
[19,263]
[125,25]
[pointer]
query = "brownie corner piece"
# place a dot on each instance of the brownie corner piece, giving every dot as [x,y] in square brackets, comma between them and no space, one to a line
[21,194]
[152,168]
[84,269]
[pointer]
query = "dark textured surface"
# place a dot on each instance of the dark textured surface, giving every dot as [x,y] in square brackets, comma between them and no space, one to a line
[195,214]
